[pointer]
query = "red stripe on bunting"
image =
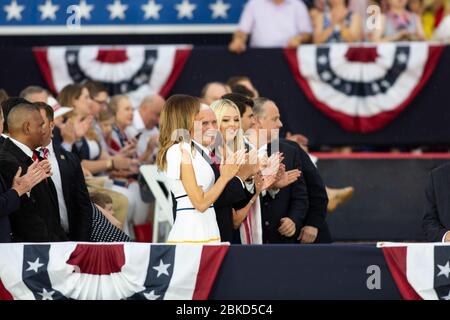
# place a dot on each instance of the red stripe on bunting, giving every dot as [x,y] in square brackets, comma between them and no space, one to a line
[363,124]
[40,55]
[181,57]
[210,262]
[396,261]
[4,294]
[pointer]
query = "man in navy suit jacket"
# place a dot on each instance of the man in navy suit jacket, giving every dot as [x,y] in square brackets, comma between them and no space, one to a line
[436,219]
[10,198]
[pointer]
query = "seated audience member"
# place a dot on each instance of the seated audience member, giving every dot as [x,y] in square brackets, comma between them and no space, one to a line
[123,111]
[315,7]
[123,117]
[399,24]
[145,127]
[81,138]
[105,202]
[10,197]
[34,94]
[432,14]
[339,24]
[272,23]
[105,228]
[212,91]
[106,121]
[37,219]
[244,81]
[75,209]
[99,103]
[436,219]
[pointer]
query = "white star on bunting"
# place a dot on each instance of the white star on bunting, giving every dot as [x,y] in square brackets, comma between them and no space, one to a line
[48,10]
[185,9]
[14,11]
[34,265]
[117,10]
[151,295]
[444,270]
[219,9]
[47,295]
[84,10]
[162,268]
[151,10]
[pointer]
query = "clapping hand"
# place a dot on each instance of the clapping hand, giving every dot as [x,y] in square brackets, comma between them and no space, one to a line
[34,175]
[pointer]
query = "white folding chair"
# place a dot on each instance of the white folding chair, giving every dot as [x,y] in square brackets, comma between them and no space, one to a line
[163,203]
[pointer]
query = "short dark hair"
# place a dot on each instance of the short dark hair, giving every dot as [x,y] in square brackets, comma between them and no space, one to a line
[16,113]
[101,199]
[206,87]
[240,101]
[7,106]
[48,110]
[243,90]
[235,80]
[95,88]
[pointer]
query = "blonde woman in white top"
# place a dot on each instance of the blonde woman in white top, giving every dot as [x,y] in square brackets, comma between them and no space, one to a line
[190,176]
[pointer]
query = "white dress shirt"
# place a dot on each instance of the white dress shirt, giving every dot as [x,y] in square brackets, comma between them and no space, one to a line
[56,178]
[25,149]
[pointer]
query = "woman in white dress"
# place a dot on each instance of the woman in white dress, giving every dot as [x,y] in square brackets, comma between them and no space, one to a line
[190,176]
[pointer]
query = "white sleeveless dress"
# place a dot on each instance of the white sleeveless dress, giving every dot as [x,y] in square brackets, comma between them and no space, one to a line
[191,225]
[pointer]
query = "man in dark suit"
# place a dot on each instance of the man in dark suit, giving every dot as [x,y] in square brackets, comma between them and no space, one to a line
[37,219]
[436,219]
[316,228]
[10,198]
[303,202]
[283,210]
[75,206]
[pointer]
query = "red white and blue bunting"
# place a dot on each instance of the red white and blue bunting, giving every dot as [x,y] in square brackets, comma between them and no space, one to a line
[363,88]
[133,70]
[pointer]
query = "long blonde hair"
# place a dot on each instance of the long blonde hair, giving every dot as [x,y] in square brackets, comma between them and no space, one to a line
[178,114]
[219,107]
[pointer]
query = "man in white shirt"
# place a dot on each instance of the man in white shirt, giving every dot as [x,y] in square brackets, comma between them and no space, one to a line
[75,207]
[272,23]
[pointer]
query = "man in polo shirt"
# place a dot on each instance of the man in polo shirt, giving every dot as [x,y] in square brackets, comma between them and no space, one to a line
[272,23]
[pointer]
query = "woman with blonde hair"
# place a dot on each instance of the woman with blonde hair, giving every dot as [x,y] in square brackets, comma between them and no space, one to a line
[190,177]
[248,218]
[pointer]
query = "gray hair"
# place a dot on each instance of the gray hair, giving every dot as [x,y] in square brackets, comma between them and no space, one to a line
[31,90]
[259,109]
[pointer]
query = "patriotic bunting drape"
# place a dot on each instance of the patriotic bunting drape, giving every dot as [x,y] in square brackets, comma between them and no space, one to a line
[108,271]
[133,70]
[363,88]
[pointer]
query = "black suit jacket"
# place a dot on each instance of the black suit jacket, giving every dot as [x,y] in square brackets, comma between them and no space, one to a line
[9,202]
[317,195]
[436,219]
[76,196]
[37,219]
[291,201]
